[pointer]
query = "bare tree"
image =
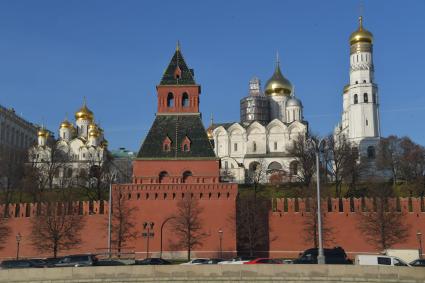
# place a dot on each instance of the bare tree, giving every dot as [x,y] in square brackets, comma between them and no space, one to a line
[11,173]
[187,224]
[305,156]
[56,227]
[389,156]
[382,225]
[123,225]
[339,159]
[252,223]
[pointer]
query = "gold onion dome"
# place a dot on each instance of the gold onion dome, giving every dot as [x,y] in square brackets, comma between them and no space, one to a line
[66,124]
[361,34]
[210,132]
[278,84]
[84,113]
[43,132]
[94,131]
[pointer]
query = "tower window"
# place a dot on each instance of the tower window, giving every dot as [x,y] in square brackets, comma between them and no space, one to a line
[275,145]
[186,144]
[254,147]
[364,81]
[367,122]
[166,144]
[185,100]
[365,98]
[356,99]
[170,100]
[235,147]
[357,82]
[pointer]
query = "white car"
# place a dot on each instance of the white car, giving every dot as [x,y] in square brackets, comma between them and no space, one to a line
[379,260]
[238,260]
[197,261]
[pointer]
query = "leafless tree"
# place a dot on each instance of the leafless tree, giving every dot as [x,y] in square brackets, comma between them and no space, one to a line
[382,225]
[389,155]
[187,224]
[123,225]
[305,156]
[4,231]
[252,223]
[339,160]
[11,173]
[56,227]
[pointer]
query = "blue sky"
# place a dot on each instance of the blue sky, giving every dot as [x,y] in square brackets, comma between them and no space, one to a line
[53,53]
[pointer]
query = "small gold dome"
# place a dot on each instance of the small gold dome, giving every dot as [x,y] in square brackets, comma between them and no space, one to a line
[210,132]
[84,113]
[278,84]
[65,124]
[94,131]
[361,34]
[43,133]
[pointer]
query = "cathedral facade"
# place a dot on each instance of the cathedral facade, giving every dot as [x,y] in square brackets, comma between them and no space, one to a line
[79,148]
[360,123]
[258,146]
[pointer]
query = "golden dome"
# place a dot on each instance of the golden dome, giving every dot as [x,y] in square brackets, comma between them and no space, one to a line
[43,132]
[65,124]
[210,132]
[361,34]
[84,113]
[94,131]
[278,84]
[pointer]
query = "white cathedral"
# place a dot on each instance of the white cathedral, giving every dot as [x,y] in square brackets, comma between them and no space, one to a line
[272,120]
[83,146]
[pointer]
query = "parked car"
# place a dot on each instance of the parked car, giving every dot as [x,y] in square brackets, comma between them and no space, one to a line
[23,263]
[379,260]
[152,261]
[51,261]
[336,255]
[77,260]
[264,261]
[197,261]
[108,262]
[238,260]
[418,262]
[215,260]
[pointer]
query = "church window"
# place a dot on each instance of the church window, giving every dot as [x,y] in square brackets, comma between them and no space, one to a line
[185,100]
[170,100]
[275,145]
[293,168]
[365,98]
[371,152]
[235,147]
[367,122]
[356,99]
[254,147]
[364,81]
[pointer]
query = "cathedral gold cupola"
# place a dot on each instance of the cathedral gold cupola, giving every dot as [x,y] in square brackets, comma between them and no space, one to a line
[278,84]
[361,35]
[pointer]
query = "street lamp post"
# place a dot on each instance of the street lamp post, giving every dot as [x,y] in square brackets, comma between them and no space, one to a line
[110,215]
[317,146]
[18,241]
[220,236]
[162,227]
[419,237]
[148,226]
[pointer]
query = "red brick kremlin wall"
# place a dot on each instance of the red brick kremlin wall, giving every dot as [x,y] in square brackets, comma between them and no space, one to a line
[288,223]
[156,202]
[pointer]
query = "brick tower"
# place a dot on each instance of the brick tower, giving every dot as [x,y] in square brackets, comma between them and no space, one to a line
[177,149]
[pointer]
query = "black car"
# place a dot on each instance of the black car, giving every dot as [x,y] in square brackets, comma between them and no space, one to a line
[23,263]
[77,260]
[418,262]
[152,261]
[336,255]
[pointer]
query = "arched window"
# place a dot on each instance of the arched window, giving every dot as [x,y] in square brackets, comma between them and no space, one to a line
[162,175]
[364,81]
[186,176]
[293,168]
[185,100]
[356,99]
[365,98]
[254,147]
[371,152]
[274,166]
[170,100]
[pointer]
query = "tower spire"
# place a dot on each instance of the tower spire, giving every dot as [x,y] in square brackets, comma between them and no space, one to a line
[277,59]
[211,120]
[178,45]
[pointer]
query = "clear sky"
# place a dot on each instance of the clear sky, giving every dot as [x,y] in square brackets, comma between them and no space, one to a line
[53,53]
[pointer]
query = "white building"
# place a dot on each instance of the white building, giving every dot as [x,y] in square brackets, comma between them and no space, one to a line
[360,123]
[269,124]
[78,149]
